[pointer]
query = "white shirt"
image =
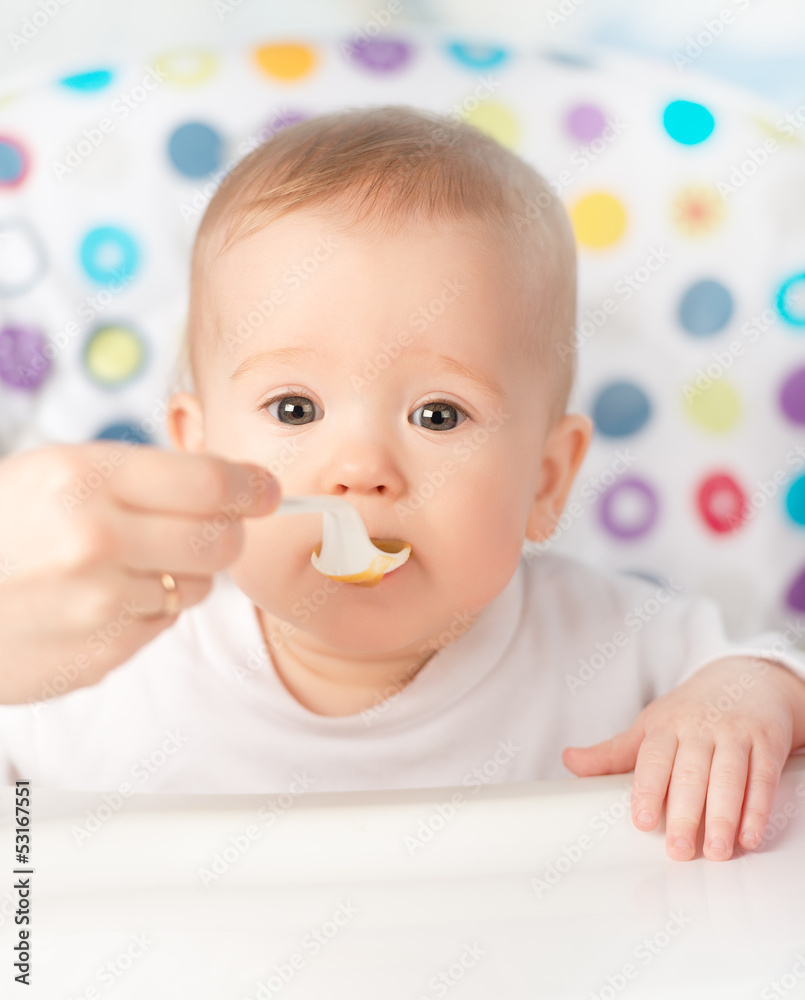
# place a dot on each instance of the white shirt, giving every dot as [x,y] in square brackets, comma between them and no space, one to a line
[566,655]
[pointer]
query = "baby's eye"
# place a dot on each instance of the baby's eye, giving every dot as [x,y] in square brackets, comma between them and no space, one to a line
[439,415]
[293,411]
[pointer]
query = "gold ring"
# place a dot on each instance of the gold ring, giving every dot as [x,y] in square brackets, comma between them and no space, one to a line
[171,595]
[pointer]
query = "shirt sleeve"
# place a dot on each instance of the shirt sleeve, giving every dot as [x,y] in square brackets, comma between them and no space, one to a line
[707,642]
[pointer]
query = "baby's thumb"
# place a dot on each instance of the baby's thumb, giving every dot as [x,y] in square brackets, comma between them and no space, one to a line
[613,756]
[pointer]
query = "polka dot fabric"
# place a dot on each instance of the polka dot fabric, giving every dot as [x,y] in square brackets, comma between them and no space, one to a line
[685,196]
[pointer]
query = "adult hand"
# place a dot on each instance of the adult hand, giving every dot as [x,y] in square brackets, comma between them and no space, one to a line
[86,532]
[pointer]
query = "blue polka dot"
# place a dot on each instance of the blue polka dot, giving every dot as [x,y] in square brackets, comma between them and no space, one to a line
[688,122]
[705,308]
[621,408]
[123,432]
[96,79]
[12,162]
[795,501]
[109,254]
[791,300]
[477,56]
[195,149]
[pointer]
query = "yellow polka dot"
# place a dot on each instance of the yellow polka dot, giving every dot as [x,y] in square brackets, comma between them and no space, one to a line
[495,119]
[286,62]
[715,408]
[186,68]
[114,354]
[599,220]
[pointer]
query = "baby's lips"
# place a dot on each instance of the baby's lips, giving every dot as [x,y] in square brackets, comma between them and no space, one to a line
[380,565]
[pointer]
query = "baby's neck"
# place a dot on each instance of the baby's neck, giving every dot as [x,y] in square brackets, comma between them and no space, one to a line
[330,684]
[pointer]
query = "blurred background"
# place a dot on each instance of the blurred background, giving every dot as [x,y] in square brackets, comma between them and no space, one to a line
[672,132]
[762,48]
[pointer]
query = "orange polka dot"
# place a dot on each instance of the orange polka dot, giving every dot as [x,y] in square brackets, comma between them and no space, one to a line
[287,61]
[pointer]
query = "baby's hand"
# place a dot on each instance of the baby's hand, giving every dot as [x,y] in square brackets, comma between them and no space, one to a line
[731,757]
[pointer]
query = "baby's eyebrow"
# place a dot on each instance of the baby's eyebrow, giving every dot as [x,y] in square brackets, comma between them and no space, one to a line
[286,355]
[480,378]
[277,355]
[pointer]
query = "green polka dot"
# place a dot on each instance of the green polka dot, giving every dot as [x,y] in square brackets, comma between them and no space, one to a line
[716,408]
[113,355]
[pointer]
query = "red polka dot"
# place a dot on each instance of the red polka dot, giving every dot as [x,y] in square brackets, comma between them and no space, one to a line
[722,503]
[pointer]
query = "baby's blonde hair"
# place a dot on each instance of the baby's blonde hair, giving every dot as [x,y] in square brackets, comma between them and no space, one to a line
[374,170]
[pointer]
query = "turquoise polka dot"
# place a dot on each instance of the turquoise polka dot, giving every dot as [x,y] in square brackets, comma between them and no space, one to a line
[12,162]
[477,56]
[705,308]
[621,408]
[791,300]
[688,122]
[96,79]
[195,149]
[109,254]
[795,501]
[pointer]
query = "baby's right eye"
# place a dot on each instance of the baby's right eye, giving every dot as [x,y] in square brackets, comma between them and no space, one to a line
[293,411]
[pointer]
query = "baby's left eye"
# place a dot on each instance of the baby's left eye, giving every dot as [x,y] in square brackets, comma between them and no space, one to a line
[439,415]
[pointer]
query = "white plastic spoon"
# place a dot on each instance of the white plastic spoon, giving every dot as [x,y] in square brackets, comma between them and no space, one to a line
[346,551]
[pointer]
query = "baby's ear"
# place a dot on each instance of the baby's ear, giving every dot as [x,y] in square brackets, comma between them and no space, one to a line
[186,422]
[563,453]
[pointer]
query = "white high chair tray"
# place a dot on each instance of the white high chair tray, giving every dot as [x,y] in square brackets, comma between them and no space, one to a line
[543,889]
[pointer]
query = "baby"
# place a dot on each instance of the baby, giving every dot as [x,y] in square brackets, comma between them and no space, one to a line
[381,305]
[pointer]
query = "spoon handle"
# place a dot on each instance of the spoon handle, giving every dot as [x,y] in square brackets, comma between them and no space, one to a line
[309,504]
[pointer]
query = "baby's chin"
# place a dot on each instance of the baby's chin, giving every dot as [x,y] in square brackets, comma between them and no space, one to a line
[344,616]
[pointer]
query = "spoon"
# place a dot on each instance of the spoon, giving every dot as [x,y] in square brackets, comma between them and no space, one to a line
[346,552]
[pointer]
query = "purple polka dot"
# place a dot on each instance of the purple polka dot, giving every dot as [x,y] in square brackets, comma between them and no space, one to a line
[792,396]
[795,598]
[585,122]
[629,508]
[22,362]
[282,120]
[380,55]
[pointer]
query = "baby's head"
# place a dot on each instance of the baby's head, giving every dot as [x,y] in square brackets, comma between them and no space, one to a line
[382,309]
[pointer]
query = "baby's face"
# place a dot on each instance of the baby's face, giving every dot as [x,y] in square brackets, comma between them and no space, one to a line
[384,371]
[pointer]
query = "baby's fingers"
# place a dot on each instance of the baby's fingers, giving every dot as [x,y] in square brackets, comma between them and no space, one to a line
[725,795]
[686,796]
[652,771]
[765,769]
